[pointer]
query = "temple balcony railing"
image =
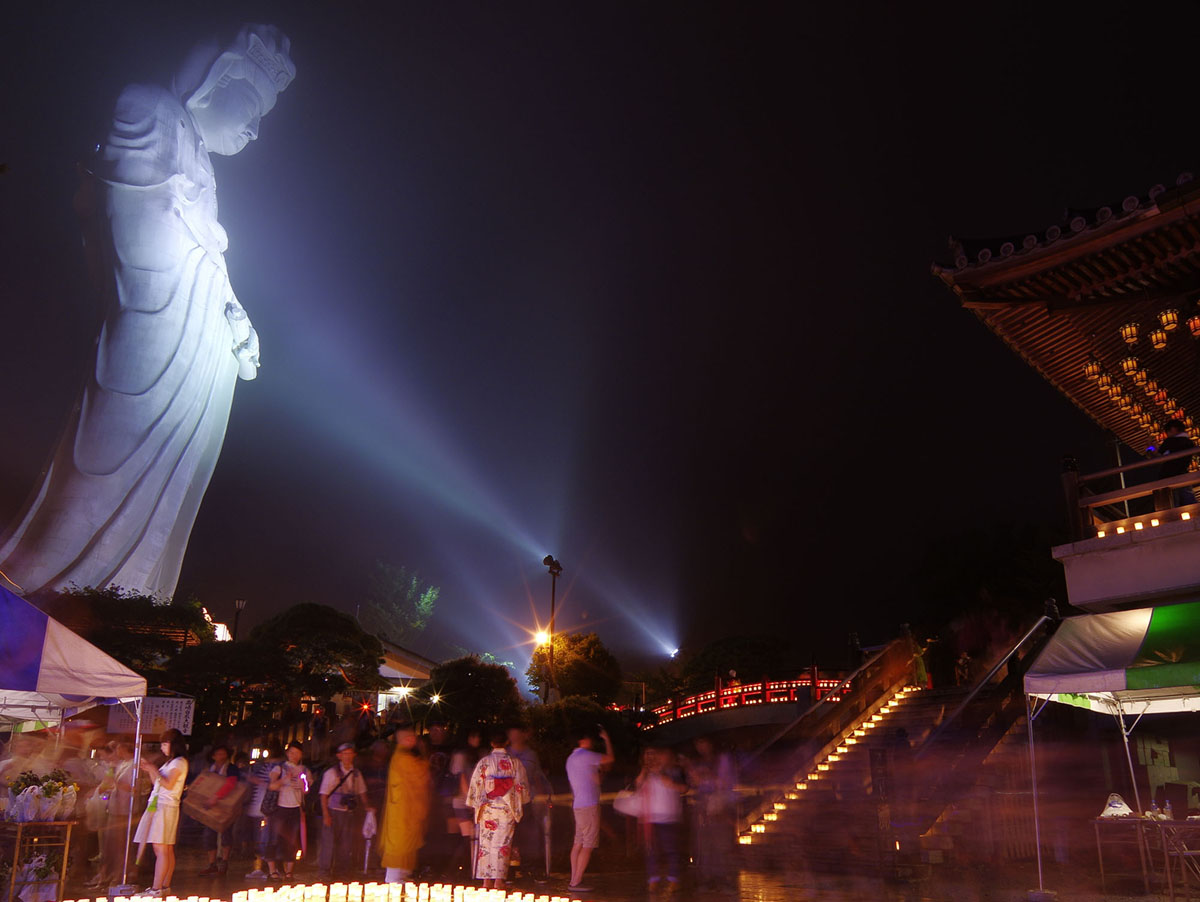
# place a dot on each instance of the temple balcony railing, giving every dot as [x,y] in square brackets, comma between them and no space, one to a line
[1131,545]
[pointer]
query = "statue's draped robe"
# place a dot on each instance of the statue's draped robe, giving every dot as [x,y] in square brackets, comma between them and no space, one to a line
[117,504]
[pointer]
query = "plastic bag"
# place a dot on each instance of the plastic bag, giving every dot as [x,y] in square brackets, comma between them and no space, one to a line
[629,803]
[1116,807]
[95,810]
[68,801]
[370,826]
[33,887]
[48,806]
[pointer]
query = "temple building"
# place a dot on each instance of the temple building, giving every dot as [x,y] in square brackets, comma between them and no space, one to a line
[1105,307]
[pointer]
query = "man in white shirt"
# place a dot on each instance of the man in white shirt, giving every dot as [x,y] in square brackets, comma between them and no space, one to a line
[583,771]
[343,803]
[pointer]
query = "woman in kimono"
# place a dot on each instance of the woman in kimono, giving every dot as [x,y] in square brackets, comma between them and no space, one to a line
[498,791]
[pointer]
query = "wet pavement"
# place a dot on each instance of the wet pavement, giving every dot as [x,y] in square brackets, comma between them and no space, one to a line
[1006,883]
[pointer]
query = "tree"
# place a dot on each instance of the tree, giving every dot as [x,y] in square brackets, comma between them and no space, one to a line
[557,727]
[140,631]
[582,666]
[321,650]
[399,606]
[471,691]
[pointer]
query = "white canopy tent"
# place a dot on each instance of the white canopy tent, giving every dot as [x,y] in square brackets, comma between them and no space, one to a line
[1126,664]
[48,673]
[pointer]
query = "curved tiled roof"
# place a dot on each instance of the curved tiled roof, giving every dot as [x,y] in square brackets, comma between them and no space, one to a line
[1060,300]
[971,252]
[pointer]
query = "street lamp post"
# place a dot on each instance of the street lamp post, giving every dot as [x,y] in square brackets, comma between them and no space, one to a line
[238,606]
[555,569]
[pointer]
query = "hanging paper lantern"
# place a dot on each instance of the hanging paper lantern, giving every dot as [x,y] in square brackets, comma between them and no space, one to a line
[1169,319]
[1158,338]
[1151,387]
[1129,365]
[1193,324]
[1104,382]
[1092,369]
[1124,401]
[1129,332]
[1140,377]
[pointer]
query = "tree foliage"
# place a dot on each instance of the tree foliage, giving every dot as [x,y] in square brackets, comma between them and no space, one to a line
[140,631]
[556,728]
[470,692]
[582,667]
[399,606]
[321,650]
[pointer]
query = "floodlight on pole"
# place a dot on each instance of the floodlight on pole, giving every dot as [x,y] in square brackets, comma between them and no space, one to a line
[238,606]
[555,569]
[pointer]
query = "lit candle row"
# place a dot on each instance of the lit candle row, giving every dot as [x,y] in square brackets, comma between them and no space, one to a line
[1154,521]
[843,748]
[359,892]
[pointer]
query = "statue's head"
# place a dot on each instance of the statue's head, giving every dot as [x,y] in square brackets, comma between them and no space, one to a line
[229,90]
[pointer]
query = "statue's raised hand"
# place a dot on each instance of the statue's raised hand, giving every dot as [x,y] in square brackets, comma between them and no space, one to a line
[245,340]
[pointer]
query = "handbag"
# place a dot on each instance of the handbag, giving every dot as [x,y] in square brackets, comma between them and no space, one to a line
[270,799]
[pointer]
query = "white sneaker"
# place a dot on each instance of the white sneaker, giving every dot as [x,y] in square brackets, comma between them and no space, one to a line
[257,874]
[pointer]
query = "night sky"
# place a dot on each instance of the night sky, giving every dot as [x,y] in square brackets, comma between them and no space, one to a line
[642,285]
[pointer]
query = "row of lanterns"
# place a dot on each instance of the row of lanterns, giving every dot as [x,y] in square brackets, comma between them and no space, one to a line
[1168,321]
[1130,366]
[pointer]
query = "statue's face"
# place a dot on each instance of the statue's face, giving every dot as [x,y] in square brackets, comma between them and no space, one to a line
[228,118]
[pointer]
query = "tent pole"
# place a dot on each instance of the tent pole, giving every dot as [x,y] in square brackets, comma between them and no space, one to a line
[133,780]
[1137,800]
[1037,827]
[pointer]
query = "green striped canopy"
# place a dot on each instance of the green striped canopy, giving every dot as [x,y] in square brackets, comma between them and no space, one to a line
[1145,661]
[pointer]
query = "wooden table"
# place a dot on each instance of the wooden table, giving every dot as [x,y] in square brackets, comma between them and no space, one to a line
[34,838]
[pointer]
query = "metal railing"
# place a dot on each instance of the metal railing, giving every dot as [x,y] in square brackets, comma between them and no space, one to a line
[1050,617]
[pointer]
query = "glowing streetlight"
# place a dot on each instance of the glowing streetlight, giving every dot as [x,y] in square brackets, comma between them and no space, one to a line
[555,569]
[541,638]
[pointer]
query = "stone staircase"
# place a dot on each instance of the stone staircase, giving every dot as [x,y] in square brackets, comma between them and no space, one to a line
[859,806]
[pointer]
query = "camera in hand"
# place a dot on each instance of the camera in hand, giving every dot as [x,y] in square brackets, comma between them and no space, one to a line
[351,802]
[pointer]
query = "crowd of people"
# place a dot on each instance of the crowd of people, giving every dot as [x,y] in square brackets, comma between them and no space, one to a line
[392,803]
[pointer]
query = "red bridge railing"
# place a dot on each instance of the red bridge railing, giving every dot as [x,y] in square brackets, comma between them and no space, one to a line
[738,695]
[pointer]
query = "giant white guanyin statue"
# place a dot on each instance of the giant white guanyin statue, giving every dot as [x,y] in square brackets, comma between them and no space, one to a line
[117,504]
